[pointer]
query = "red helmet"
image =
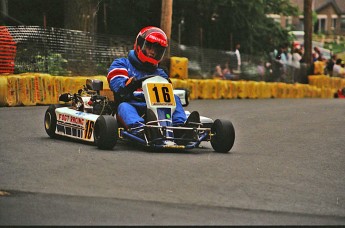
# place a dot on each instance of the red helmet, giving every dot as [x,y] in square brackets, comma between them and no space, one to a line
[150,45]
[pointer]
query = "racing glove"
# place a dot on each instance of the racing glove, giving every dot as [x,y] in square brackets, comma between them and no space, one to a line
[132,84]
[125,93]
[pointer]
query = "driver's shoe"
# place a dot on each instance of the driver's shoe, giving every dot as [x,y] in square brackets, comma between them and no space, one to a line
[192,121]
[152,132]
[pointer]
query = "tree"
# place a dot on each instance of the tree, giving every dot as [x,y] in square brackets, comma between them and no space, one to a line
[81,15]
[128,17]
[166,17]
[33,12]
[226,22]
[308,30]
[216,24]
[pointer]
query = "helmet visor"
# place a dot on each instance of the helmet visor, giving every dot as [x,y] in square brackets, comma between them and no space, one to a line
[153,50]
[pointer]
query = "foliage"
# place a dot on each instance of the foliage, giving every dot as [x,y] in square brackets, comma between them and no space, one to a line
[215,24]
[226,22]
[54,63]
[335,47]
[30,60]
[127,17]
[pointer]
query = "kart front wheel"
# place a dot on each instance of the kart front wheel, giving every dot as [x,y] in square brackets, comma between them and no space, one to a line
[105,133]
[50,121]
[223,135]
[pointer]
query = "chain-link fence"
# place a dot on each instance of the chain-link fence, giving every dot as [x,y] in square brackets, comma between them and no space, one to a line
[65,52]
[69,52]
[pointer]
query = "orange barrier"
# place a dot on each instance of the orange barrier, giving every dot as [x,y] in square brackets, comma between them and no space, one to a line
[7,51]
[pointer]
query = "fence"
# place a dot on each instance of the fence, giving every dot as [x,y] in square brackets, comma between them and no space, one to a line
[65,52]
[69,52]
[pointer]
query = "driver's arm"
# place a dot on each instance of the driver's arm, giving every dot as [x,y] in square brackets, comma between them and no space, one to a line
[117,75]
[120,81]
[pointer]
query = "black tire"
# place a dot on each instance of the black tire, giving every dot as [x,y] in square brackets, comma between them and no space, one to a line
[223,136]
[105,133]
[50,121]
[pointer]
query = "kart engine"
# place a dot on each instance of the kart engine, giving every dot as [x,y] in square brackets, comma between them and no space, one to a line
[89,99]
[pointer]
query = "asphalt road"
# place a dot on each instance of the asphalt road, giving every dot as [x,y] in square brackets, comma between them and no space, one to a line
[287,167]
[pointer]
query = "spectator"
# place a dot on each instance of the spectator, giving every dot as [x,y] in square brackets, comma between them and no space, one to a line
[218,73]
[238,55]
[319,66]
[260,68]
[282,55]
[330,65]
[338,71]
[281,64]
[316,54]
[296,58]
[227,73]
[301,52]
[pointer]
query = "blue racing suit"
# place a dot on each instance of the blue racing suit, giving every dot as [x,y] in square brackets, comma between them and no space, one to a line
[130,112]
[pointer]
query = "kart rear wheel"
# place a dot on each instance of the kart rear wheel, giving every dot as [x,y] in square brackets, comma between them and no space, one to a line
[223,136]
[105,133]
[50,121]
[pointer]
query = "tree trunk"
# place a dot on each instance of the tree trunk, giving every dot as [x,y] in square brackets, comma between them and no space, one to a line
[308,31]
[81,15]
[166,18]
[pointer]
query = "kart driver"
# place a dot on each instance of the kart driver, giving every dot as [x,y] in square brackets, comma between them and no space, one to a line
[149,49]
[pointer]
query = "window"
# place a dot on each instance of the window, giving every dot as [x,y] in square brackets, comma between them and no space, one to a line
[301,24]
[342,24]
[334,23]
[275,17]
[288,21]
[320,25]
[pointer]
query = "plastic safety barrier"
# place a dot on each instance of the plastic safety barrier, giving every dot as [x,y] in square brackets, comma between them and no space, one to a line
[323,81]
[178,67]
[3,91]
[37,88]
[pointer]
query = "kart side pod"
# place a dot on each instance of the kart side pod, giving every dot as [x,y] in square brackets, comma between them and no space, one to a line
[183,94]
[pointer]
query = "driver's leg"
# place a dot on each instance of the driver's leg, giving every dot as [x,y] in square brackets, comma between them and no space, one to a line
[179,116]
[128,115]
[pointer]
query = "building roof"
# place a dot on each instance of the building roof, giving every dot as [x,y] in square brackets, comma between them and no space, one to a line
[339,5]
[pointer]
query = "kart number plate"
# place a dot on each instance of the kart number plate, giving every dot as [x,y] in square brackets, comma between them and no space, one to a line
[161,94]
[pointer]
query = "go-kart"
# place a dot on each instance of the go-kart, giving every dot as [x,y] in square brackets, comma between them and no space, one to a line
[90,116]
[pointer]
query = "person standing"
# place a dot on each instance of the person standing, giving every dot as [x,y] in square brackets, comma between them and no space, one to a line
[238,55]
[296,58]
[330,64]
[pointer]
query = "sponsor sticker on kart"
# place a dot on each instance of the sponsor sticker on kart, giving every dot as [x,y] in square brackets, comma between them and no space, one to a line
[161,94]
[75,124]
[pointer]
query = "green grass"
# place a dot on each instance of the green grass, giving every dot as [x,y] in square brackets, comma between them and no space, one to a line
[335,48]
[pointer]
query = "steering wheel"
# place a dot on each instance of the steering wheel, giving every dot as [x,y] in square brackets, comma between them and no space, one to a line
[138,82]
[138,85]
